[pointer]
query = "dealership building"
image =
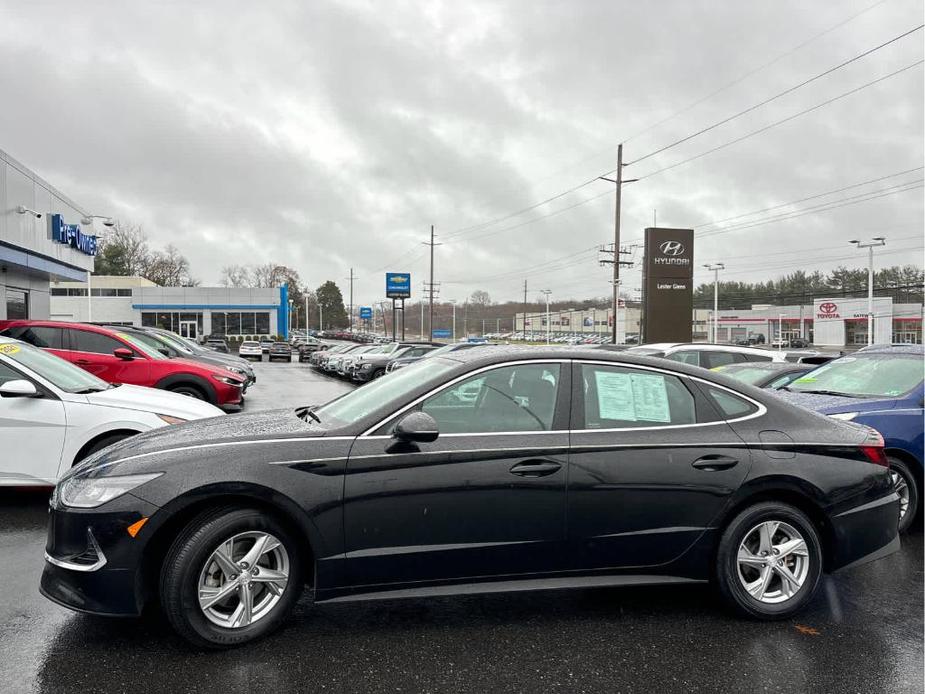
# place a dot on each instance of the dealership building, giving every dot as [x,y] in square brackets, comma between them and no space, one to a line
[190,311]
[42,240]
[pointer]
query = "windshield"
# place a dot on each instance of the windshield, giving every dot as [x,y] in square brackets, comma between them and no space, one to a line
[178,343]
[864,375]
[155,342]
[141,345]
[359,403]
[60,373]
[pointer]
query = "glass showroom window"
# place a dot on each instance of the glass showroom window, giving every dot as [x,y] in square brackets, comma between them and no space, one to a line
[171,320]
[17,304]
[245,323]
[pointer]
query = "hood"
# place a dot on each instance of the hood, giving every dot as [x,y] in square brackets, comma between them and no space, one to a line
[153,400]
[831,404]
[215,430]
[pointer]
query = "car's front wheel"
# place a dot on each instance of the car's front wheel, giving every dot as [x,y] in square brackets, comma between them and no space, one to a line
[232,576]
[769,561]
[907,489]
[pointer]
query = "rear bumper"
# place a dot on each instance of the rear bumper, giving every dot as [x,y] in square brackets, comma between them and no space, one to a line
[865,533]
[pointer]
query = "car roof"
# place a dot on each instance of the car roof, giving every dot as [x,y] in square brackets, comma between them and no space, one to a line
[892,349]
[74,325]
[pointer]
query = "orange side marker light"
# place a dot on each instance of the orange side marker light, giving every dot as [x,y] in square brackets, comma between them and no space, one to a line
[135,527]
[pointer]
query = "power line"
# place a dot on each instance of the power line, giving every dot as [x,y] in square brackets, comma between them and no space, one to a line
[823,207]
[806,199]
[775,97]
[783,120]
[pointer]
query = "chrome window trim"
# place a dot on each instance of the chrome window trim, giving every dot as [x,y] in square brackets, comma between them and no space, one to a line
[366,434]
[760,411]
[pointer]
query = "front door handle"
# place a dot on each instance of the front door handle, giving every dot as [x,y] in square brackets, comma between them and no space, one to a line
[83,362]
[535,468]
[712,463]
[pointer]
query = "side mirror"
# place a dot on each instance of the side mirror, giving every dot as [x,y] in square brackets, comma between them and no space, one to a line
[124,353]
[19,388]
[418,427]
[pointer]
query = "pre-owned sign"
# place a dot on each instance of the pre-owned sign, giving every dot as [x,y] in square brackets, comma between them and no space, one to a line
[71,235]
[668,275]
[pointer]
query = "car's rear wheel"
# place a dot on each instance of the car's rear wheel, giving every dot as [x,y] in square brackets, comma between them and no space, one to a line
[232,576]
[769,561]
[907,489]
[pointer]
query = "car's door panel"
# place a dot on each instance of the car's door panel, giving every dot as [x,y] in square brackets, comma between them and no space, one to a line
[642,493]
[463,506]
[37,425]
[93,352]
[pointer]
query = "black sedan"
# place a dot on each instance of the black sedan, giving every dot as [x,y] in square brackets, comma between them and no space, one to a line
[280,350]
[479,471]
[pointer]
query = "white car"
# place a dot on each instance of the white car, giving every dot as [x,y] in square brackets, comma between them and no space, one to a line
[250,350]
[54,414]
[707,355]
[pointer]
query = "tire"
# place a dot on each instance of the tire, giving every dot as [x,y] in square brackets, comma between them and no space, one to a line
[188,390]
[906,486]
[378,373]
[99,445]
[190,564]
[778,599]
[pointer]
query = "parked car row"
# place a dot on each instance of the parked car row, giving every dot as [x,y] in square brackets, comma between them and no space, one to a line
[366,362]
[133,356]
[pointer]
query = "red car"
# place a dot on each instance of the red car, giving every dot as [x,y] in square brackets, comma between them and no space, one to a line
[118,357]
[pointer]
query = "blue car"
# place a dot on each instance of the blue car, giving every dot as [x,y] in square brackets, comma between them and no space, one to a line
[883,388]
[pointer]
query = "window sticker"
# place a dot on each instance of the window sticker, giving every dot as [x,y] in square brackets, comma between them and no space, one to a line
[632,397]
[9,349]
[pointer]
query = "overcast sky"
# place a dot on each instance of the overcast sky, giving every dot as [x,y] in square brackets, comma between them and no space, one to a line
[327,135]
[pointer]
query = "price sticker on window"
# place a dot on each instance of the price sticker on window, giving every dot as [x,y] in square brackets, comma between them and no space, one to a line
[9,349]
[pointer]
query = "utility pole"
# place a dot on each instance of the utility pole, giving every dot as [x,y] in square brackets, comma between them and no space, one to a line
[547,292]
[715,267]
[525,310]
[870,245]
[618,181]
[431,283]
[351,278]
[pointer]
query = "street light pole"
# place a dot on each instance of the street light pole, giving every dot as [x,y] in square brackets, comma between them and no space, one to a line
[453,302]
[715,267]
[780,332]
[547,292]
[870,245]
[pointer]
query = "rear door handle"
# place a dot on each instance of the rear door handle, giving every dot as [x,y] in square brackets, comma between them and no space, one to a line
[713,463]
[535,468]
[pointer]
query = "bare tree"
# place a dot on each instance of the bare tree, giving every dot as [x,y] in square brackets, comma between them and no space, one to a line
[236,276]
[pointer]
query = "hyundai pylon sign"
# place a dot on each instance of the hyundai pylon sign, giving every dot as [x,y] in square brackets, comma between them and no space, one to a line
[398,285]
[668,281]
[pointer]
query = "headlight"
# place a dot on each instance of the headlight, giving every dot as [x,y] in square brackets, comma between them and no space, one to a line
[90,492]
[845,416]
[171,420]
[366,366]
[230,381]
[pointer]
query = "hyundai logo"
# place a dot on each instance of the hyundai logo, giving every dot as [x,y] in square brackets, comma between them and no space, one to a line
[671,248]
[828,307]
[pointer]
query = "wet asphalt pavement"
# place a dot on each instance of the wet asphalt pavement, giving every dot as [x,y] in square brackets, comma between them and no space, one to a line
[862,634]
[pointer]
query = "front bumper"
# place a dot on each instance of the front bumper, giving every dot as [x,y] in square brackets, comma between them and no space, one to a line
[865,533]
[92,563]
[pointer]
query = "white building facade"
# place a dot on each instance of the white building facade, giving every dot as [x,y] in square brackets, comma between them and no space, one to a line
[42,240]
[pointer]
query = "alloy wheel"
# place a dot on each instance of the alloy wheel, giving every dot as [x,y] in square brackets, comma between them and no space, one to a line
[773,562]
[901,487]
[243,579]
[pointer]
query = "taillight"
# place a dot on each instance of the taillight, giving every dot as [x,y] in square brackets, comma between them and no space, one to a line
[872,448]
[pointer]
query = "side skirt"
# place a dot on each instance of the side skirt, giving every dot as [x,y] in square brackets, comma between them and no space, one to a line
[513,586]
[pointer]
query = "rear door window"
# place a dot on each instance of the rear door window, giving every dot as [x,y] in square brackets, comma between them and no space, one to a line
[710,359]
[616,397]
[732,406]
